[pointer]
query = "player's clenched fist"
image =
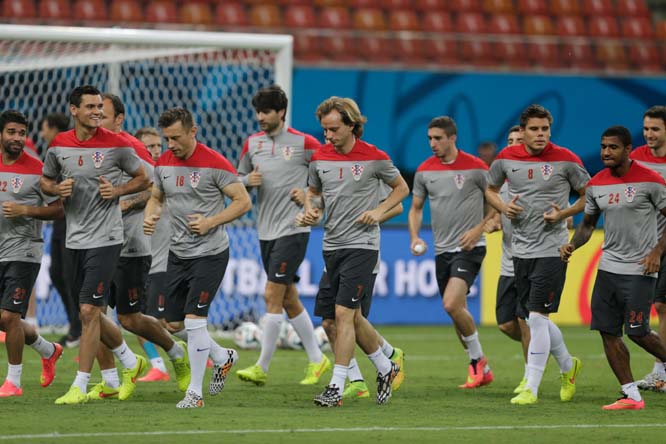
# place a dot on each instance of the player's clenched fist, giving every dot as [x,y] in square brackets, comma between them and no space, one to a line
[65,188]
[566,251]
[12,209]
[106,189]
[198,224]
[149,224]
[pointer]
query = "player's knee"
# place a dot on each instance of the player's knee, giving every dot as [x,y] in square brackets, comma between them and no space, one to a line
[128,321]
[89,313]
[507,328]
[9,320]
[175,327]
[452,306]
[329,328]
[660,307]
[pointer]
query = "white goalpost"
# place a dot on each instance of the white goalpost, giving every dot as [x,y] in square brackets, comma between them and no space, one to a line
[212,74]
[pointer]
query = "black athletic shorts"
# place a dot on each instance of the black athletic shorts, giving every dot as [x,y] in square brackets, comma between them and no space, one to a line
[622,299]
[155,301]
[16,281]
[350,275]
[283,256]
[660,293]
[92,273]
[192,284]
[507,308]
[462,264]
[128,287]
[325,302]
[539,283]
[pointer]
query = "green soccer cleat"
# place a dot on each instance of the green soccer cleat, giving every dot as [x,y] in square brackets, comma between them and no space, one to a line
[521,386]
[73,396]
[102,391]
[130,376]
[568,380]
[399,358]
[253,374]
[182,368]
[356,389]
[524,398]
[315,370]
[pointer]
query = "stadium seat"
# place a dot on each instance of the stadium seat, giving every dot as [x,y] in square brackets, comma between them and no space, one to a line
[340,48]
[595,8]
[603,27]
[428,6]
[55,9]
[299,16]
[306,47]
[578,55]
[408,51]
[19,9]
[510,53]
[335,18]
[533,7]
[477,52]
[369,19]
[498,7]
[546,55]
[397,4]
[404,20]
[161,11]
[462,6]
[644,56]
[437,21]
[538,25]
[503,24]
[374,49]
[660,30]
[230,14]
[441,50]
[570,26]
[196,13]
[330,3]
[611,55]
[637,28]
[90,10]
[126,11]
[565,7]
[265,16]
[470,23]
[358,4]
[632,8]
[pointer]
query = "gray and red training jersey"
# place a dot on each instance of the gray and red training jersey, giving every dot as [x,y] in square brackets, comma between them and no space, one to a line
[194,186]
[136,244]
[539,181]
[630,205]
[283,161]
[21,237]
[349,185]
[643,154]
[160,241]
[455,191]
[506,263]
[92,222]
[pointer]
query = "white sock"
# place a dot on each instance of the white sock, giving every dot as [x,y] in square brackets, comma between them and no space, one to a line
[14,374]
[218,354]
[473,346]
[181,334]
[538,351]
[387,348]
[43,347]
[126,356]
[631,390]
[381,362]
[110,377]
[354,372]
[198,347]
[269,339]
[558,348]
[176,352]
[158,363]
[303,326]
[659,368]
[81,381]
[526,371]
[339,376]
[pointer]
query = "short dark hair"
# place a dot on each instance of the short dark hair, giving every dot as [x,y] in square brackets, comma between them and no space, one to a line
[620,132]
[445,123]
[12,116]
[173,115]
[513,129]
[146,131]
[58,121]
[656,112]
[487,146]
[535,112]
[272,97]
[118,105]
[77,93]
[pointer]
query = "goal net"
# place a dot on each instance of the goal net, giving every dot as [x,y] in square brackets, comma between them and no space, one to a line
[214,75]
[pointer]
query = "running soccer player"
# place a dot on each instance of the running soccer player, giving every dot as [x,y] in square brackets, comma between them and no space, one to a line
[275,162]
[540,176]
[24,206]
[454,182]
[346,173]
[91,161]
[629,195]
[193,180]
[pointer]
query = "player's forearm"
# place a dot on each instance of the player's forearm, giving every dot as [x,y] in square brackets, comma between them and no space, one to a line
[662,241]
[312,200]
[582,235]
[414,221]
[50,212]
[49,186]
[393,212]
[495,200]
[574,209]
[134,185]
[396,196]
[138,202]
[153,207]
[239,206]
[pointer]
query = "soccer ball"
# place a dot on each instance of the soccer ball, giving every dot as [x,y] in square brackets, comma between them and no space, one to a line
[322,339]
[248,336]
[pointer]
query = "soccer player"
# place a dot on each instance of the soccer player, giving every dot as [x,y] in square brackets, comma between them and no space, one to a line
[91,161]
[454,182]
[275,162]
[540,176]
[128,285]
[346,173]
[24,206]
[487,151]
[151,138]
[653,156]
[629,195]
[193,180]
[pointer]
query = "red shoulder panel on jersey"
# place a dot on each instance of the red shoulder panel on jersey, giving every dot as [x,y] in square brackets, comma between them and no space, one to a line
[309,142]
[246,145]
[362,151]
[644,154]
[464,161]
[203,157]
[102,139]
[551,153]
[637,173]
[25,164]
[139,147]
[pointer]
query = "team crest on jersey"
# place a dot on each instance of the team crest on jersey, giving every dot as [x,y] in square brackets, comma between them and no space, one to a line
[17,183]
[260,144]
[287,152]
[357,171]
[630,193]
[546,171]
[459,180]
[195,177]
[98,158]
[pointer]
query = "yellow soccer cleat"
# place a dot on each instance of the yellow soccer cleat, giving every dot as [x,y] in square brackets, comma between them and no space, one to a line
[568,380]
[182,368]
[253,374]
[315,370]
[399,358]
[73,396]
[521,386]
[130,377]
[524,398]
[102,391]
[356,389]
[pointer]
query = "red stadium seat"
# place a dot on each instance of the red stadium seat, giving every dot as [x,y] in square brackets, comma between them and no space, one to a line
[55,9]
[660,30]
[546,55]
[644,56]
[230,14]
[603,27]
[408,51]
[335,18]
[126,11]
[579,55]
[565,7]
[441,50]
[594,8]
[306,47]
[538,25]
[638,28]
[437,21]
[19,9]
[612,55]
[503,24]
[265,16]
[299,16]
[477,52]
[571,26]
[329,3]
[633,8]
[397,4]
[511,53]
[404,20]
[358,4]
[369,19]
[196,13]
[339,48]
[90,10]
[374,49]
[498,7]
[470,23]
[429,6]
[533,7]
[465,5]
[161,11]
